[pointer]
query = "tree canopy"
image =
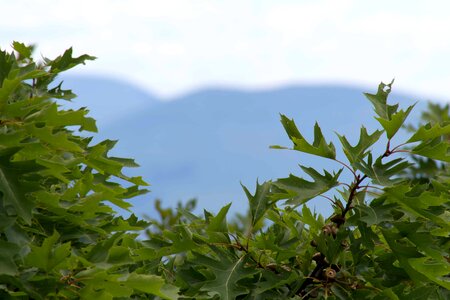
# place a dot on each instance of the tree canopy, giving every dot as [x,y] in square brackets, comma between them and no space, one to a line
[60,237]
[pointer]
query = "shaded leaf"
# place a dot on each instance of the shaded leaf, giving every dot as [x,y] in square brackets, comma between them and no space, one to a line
[13,190]
[49,255]
[8,251]
[435,270]
[227,272]
[380,172]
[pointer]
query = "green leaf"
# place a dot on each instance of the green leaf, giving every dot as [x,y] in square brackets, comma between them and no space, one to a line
[396,120]
[380,172]
[7,88]
[218,223]
[389,293]
[13,190]
[379,101]
[435,270]
[66,61]
[99,284]
[51,116]
[310,219]
[99,253]
[421,293]
[418,205]
[272,281]
[152,284]
[13,81]
[319,146]
[59,139]
[426,243]
[434,149]
[428,132]
[7,62]
[49,255]
[23,50]
[369,215]
[359,151]
[260,202]
[8,251]
[298,190]
[227,272]
[403,254]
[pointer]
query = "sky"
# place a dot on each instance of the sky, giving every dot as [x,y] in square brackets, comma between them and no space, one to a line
[172,47]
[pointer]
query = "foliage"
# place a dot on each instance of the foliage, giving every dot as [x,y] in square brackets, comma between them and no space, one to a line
[388,237]
[59,238]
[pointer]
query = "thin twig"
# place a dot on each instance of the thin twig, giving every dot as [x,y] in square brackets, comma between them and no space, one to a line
[401,150]
[328,198]
[388,151]
[372,187]
[346,184]
[346,166]
[353,189]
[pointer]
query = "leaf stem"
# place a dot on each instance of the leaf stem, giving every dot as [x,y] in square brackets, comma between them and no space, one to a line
[398,146]
[346,166]
[401,150]
[388,150]
[346,184]
[328,198]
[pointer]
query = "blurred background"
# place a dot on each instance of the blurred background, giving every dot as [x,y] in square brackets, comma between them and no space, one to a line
[193,89]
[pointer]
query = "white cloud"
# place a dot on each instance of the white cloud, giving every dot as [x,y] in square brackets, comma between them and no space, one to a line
[176,45]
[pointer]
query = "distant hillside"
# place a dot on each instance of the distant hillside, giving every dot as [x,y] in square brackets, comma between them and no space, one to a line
[107,99]
[205,143]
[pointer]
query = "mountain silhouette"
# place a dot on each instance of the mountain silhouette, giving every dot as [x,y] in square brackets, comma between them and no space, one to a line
[107,99]
[204,144]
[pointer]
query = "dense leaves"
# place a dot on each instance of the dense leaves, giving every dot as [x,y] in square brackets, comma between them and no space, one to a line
[58,236]
[388,237]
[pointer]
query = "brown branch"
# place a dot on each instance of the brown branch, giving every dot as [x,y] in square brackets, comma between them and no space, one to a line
[354,187]
[322,264]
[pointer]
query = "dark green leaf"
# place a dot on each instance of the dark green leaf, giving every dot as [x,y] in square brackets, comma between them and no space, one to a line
[382,173]
[49,255]
[359,151]
[227,272]
[298,190]
[319,146]
[379,101]
[396,120]
[66,61]
[260,202]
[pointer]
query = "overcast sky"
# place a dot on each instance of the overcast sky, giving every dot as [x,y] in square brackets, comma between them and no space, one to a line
[170,47]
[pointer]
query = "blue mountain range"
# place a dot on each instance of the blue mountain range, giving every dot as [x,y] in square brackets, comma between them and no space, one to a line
[204,144]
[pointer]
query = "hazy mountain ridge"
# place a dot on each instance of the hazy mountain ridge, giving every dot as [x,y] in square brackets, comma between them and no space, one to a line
[108,99]
[205,143]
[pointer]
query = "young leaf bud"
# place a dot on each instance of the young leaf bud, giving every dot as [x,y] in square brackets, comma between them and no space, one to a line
[330,273]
